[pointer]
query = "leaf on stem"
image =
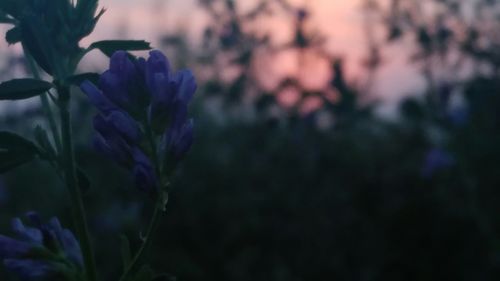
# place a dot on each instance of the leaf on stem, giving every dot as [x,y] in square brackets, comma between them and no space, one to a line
[15,151]
[108,47]
[36,39]
[20,89]
[78,79]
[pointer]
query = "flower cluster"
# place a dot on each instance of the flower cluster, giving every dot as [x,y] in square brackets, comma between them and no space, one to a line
[44,251]
[142,122]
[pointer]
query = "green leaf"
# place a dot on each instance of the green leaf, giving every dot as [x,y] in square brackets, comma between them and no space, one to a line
[15,151]
[78,79]
[108,47]
[125,250]
[36,38]
[19,89]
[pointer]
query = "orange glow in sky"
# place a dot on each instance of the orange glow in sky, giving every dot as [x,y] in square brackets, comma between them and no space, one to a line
[341,21]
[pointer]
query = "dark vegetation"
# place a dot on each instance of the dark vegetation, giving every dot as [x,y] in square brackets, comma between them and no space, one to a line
[336,193]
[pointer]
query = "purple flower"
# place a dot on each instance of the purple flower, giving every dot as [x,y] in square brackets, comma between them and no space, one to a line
[178,139]
[436,160]
[168,90]
[123,83]
[137,98]
[40,251]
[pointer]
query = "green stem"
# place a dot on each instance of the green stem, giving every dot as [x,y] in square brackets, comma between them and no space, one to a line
[155,220]
[44,100]
[69,166]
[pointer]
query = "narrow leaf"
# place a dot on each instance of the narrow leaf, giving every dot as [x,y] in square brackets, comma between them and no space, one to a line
[108,47]
[9,161]
[78,79]
[15,151]
[35,37]
[19,89]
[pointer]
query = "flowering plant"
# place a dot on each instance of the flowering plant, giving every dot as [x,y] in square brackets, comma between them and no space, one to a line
[142,124]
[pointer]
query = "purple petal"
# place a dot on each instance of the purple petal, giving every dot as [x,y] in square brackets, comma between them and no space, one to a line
[29,234]
[35,219]
[185,141]
[178,140]
[29,269]
[114,148]
[120,63]
[143,172]
[125,125]
[156,63]
[12,248]
[187,85]
[114,89]
[71,247]
[97,98]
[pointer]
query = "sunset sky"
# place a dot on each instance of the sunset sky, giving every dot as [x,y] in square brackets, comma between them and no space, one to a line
[341,21]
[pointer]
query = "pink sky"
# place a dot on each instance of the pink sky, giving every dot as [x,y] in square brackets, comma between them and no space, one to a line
[340,20]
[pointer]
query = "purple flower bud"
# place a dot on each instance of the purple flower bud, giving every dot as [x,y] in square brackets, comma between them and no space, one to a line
[436,160]
[29,269]
[143,172]
[29,234]
[157,63]
[168,91]
[124,83]
[186,86]
[122,123]
[11,248]
[145,92]
[37,251]
[113,147]
[97,98]
[178,140]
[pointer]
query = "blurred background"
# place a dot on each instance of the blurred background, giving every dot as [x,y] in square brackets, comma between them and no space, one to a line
[335,140]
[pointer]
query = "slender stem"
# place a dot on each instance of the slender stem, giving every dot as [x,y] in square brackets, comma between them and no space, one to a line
[155,220]
[44,100]
[69,164]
